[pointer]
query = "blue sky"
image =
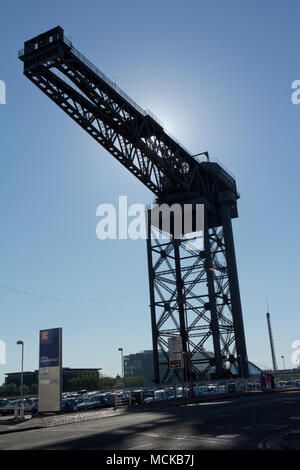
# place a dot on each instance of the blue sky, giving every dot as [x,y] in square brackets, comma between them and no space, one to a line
[219,76]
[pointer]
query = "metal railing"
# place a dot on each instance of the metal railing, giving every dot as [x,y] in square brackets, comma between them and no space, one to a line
[98,72]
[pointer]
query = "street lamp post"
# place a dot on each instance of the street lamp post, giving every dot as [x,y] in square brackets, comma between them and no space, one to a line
[282,357]
[22,343]
[122,364]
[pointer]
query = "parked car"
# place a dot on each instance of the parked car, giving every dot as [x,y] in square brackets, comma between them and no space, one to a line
[159,395]
[211,388]
[31,406]
[137,394]
[9,407]
[148,393]
[124,399]
[69,404]
[241,386]
[179,392]
[169,394]
[110,397]
[280,383]
[30,403]
[94,402]
[231,387]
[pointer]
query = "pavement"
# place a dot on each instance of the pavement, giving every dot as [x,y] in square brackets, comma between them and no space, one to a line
[254,420]
[11,425]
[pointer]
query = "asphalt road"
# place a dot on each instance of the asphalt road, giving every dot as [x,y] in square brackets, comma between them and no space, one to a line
[247,422]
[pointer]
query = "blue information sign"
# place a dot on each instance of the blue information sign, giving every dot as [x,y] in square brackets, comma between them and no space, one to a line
[50,346]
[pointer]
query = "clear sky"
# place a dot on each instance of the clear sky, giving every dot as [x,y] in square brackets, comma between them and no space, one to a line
[219,76]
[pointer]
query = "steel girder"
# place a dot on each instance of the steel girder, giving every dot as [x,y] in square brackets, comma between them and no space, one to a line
[134,137]
[183,303]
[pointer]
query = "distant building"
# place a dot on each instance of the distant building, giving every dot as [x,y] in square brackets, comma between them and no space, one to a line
[141,364]
[30,378]
[254,371]
[284,374]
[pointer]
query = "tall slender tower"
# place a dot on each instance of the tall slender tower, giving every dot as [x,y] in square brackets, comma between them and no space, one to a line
[271,342]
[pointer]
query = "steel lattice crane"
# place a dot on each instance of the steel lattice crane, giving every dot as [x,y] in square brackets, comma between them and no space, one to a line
[194,293]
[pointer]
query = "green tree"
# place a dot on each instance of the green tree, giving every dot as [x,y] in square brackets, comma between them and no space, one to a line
[134,381]
[106,382]
[26,390]
[9,390]
[34,389]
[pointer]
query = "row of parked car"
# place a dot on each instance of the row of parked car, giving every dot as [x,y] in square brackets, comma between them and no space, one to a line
[73,402]
[82,400]
[76,402]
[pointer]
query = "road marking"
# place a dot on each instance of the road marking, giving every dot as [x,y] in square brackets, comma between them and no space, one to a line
[179,438]
[211,403]
[264,426]
[228,436]
[207,440]
[273,426]
[294,417]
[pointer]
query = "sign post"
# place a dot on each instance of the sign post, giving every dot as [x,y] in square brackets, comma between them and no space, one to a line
[175,352]
[175,355]
[50,370]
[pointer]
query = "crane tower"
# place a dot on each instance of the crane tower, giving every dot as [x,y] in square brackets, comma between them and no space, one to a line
[194,292]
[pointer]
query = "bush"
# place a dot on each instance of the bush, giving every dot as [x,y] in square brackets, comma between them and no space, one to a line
[8,390]
[26,390]
[34,389]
